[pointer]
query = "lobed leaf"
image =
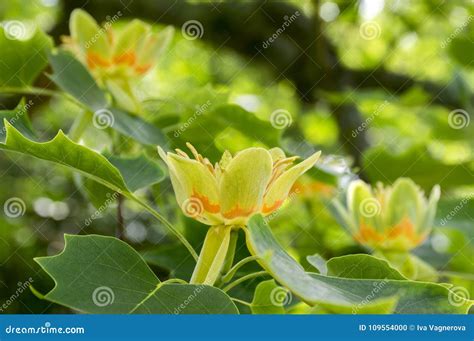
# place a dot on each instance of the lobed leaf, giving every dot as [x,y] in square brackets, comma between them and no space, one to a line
[99,274]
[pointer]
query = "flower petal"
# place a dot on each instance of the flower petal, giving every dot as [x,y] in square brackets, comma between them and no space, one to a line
[128,40]
[405,201]
[279,189]
[86,33]
[243,184]
[195,187]
[364,207]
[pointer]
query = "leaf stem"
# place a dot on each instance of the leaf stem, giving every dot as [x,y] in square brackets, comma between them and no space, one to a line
[229,258]
[119,232]
[79,126]
[230,274]
[212,256]
[162,219]
[243,279]
[241,302]
[30,91]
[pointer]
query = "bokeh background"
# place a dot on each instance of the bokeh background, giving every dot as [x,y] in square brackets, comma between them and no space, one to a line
[383,88]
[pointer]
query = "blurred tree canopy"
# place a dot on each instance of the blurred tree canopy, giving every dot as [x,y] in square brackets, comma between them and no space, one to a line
[385,85]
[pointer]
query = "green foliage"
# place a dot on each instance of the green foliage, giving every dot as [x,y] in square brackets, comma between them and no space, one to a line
[395,100]
[265,298]
[106,276]
[362,266]
[346,294]
[22,60]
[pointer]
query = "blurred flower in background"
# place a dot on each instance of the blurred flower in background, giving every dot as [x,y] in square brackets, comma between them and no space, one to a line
[116,58]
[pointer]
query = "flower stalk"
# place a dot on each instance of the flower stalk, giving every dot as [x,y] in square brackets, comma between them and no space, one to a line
[213,255]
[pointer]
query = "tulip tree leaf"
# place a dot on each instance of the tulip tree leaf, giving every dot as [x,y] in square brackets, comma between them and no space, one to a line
[74,78]
[136,128]
[269,298]
[346,294]
[138,172]
[71,76]
[99,274]
[22,60]
[362,267]
[65,152]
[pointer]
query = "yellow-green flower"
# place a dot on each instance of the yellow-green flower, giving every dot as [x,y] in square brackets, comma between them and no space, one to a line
[255,180]
[116,57]
[393,218]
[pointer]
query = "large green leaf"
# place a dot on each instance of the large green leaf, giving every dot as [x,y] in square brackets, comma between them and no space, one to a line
[65,152]
[98,274]
[73,77]
[22,60]
[363,267]
[418,164]
[346,294]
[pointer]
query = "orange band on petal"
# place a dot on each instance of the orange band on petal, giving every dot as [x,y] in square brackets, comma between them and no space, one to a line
[237,211]
[127,58]
[96,60]
[269,209]
[141,69]
[405,229]
[367,234]
[206,203]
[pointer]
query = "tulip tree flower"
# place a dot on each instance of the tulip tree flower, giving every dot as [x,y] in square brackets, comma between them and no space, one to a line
[116,58]
[390,220]
[227,194]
